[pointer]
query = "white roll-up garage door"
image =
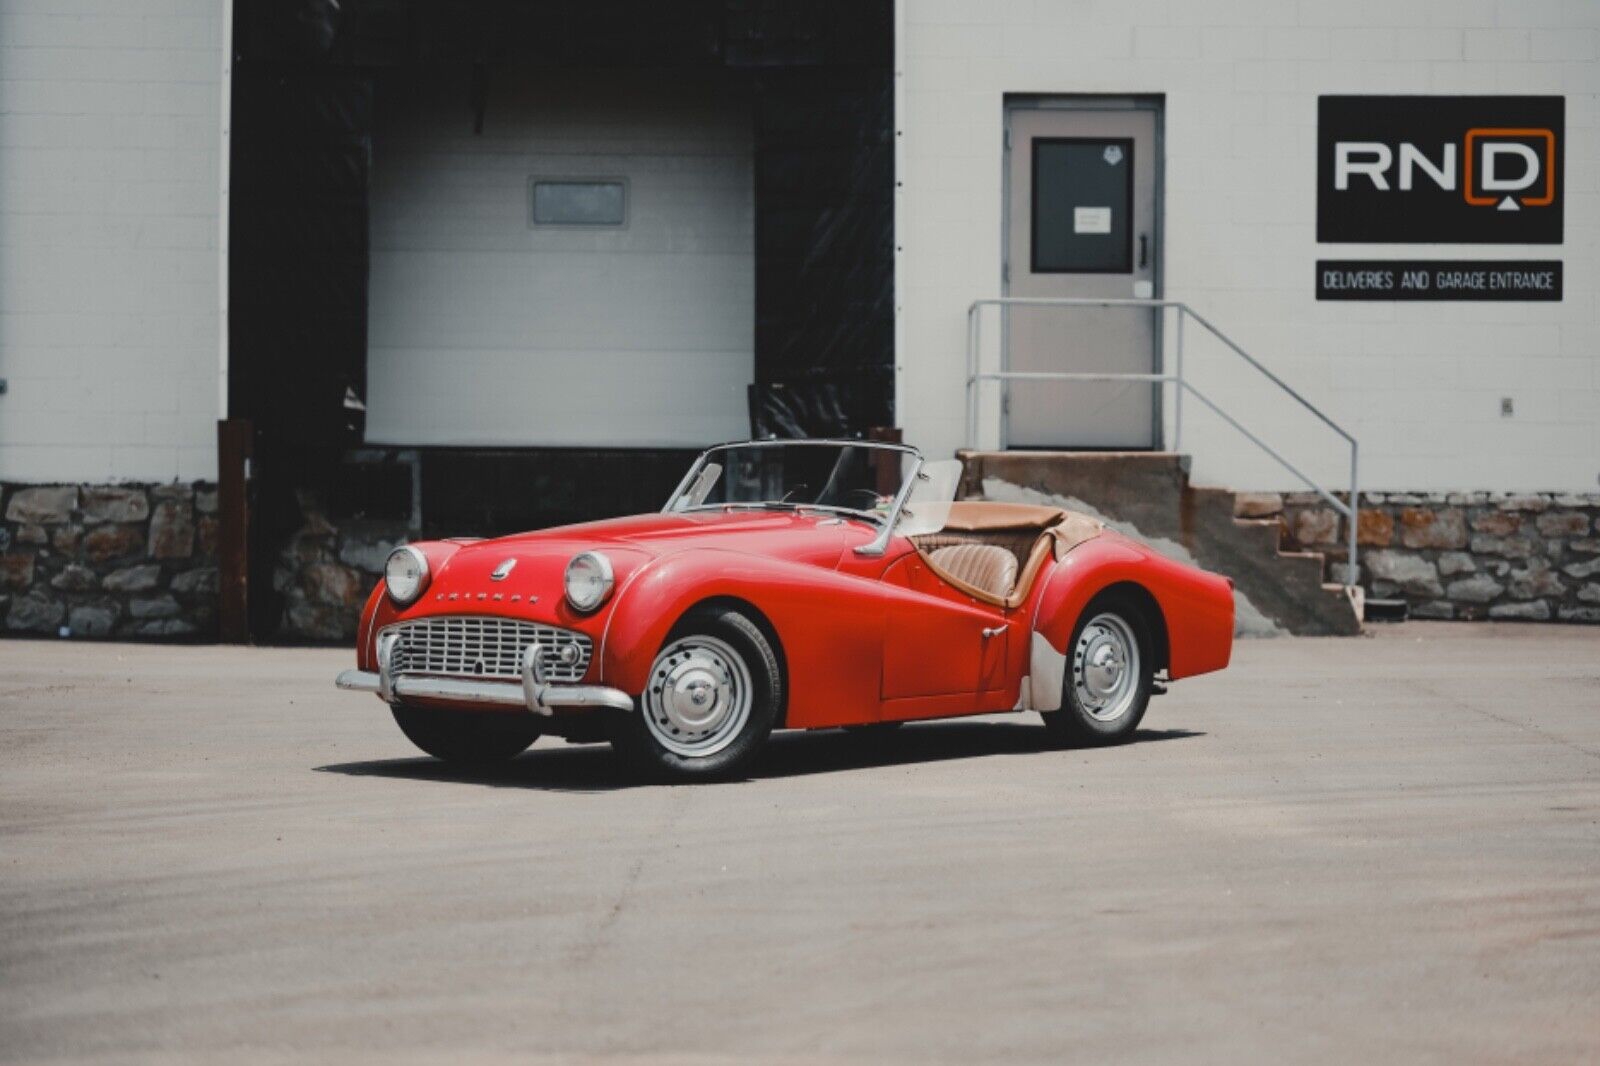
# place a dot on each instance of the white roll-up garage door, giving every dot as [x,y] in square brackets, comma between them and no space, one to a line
[580,273]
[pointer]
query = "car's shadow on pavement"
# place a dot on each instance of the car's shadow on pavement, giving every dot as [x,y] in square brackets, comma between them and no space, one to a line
[555,766]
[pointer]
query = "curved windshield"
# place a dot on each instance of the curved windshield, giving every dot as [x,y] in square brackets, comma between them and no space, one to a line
[858,478]
[865,479]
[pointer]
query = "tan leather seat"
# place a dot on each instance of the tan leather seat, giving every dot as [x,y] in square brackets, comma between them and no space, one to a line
[983,566]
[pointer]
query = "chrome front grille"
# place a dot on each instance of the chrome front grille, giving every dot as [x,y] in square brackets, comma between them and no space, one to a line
[482,647]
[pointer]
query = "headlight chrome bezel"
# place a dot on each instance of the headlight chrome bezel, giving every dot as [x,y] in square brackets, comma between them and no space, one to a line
[424,575]
[607,581]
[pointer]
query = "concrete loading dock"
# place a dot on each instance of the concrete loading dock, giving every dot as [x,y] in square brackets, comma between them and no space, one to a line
[1381,848]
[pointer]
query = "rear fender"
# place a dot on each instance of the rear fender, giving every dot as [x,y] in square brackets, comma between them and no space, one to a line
[1196,609]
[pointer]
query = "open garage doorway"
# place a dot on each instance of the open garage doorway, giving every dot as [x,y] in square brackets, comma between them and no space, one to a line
[502,266]
[574,265]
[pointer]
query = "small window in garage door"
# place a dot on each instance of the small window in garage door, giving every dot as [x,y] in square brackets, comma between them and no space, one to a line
[579,202]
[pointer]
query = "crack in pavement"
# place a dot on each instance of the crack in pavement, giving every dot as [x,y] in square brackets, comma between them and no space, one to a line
[598,936]
[1529,727]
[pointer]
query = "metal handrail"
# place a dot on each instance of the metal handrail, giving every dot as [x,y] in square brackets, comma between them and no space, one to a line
[1349,510]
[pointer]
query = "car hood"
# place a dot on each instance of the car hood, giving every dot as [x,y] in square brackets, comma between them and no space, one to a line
[532,565]
[806,536]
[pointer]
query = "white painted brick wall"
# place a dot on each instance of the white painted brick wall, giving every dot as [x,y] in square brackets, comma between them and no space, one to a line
[1419,384]
[108,228]
[485,331]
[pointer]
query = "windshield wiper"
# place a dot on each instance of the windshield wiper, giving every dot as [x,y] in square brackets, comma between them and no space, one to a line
[762,505]
[798,508]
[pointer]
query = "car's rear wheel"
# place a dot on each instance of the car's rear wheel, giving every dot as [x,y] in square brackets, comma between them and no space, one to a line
[467,738]
[1110,666]
[710,702]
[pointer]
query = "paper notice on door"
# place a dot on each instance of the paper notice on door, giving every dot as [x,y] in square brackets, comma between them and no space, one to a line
[1091,220]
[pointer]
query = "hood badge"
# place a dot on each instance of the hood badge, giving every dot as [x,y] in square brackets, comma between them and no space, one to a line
[503,571]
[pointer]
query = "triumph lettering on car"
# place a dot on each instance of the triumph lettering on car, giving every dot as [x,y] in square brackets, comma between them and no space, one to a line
[799,584]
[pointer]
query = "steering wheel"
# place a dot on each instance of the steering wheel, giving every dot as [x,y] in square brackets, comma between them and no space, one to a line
[872,497]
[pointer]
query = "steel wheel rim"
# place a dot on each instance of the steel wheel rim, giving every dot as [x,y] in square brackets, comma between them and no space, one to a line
[1105,667]
[698,698]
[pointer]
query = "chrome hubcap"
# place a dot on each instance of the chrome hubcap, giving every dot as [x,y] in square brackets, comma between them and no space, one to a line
[699,696]
[1105,667]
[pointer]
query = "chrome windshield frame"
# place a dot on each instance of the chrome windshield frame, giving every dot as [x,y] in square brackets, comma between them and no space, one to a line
[879,543]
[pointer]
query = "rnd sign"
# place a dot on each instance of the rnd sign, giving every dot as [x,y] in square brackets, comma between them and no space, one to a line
[1439,169]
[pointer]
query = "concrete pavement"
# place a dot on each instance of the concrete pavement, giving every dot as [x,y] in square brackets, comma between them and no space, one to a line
[1382,848]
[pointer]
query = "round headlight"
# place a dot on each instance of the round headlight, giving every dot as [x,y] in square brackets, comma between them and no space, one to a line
[588,580]
[405,574]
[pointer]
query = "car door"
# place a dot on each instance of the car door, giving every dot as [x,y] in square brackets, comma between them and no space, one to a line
[937,641]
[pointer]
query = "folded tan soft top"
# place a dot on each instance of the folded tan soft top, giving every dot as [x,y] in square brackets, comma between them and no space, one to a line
[1054,530]
[977,516]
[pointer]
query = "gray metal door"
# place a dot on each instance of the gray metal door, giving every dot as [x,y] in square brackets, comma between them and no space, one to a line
[1081,221]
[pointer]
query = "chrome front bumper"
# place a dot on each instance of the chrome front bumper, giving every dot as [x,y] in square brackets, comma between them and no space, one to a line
[533,693]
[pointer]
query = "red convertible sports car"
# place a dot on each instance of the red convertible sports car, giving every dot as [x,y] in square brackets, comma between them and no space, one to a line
[786,585]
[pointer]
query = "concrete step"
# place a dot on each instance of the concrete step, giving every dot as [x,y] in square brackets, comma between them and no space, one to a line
[1385,610]
[1148,495]
[1266,531]
[1140,488]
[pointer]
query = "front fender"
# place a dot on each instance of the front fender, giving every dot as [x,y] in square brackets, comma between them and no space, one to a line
[829,625]
[380,609]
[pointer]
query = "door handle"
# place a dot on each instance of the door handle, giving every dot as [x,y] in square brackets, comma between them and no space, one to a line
[995,632]
[1144,250]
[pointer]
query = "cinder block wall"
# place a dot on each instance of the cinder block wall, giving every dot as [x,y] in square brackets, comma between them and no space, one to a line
[109,135]
[1418,383]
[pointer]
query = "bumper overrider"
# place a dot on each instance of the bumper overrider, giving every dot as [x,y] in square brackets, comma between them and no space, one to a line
[532,693]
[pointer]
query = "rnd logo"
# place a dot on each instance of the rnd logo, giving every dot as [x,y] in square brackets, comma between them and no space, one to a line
[1508,167]
[1439,169]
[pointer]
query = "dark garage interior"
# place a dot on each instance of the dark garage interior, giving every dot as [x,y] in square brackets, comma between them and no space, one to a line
[310,81]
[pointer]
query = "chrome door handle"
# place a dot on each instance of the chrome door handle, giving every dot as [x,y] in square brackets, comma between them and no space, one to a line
[995,632]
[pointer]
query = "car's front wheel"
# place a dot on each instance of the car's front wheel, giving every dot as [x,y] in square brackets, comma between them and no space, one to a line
[1110,666]
[467,738]
[712,698]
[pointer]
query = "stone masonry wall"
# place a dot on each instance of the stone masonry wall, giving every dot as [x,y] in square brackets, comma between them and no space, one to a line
[1473,555]
[327,570]
[139,561]
[124,561]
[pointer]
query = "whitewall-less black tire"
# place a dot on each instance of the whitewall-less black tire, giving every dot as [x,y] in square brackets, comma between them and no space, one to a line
[467,738]
[1109,669]
[713,696]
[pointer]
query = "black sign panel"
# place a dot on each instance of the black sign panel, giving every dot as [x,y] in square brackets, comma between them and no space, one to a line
[1439,169]
[1438,279]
